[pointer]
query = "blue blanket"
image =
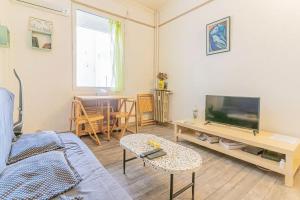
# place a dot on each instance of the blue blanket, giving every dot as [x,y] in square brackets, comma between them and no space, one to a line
[34,144]
[39,177]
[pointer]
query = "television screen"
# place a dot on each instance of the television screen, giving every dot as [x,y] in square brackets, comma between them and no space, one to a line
[236,111]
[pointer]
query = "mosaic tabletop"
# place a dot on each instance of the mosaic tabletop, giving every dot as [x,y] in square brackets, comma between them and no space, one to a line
[178,159]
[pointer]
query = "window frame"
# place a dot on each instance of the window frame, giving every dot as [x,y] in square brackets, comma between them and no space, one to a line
[92,11]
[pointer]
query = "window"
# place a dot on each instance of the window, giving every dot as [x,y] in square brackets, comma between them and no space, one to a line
[94,52]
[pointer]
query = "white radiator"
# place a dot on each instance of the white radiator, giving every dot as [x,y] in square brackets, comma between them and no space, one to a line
[161,106]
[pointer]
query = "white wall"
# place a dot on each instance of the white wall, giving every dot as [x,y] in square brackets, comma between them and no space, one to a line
[139,59]
[173,8]
[47,76]
[264,60]
[1,67]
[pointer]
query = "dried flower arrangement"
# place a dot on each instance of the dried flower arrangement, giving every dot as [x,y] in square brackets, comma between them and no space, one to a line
[161,83]
[162,76]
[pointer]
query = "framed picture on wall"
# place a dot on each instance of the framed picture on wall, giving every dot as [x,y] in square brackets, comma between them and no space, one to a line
[4,37]
[41,33]
[218,36]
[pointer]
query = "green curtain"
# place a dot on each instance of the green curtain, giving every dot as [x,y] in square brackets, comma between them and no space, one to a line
[118,54]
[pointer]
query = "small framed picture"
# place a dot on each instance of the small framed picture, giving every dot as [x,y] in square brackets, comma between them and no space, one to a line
[218,36]
[41,33]
[4,37]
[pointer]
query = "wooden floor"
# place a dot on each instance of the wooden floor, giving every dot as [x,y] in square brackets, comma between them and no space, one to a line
[220,177]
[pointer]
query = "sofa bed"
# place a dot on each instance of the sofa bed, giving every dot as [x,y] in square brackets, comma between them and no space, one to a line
[93,180]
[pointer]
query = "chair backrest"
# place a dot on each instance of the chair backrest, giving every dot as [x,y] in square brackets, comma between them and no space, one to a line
[78,109]
[145,103]
[124,103]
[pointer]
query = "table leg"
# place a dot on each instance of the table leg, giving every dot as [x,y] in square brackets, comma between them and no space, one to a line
[171,186]
[191,185]
[289,167]
[124,161]
[108,119]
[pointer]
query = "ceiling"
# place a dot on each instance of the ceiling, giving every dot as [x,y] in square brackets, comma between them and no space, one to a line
[154,4]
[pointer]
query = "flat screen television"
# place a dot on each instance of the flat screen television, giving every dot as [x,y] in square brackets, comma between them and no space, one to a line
[235,111]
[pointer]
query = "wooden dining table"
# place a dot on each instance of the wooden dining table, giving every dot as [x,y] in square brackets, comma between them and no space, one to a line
[103,105]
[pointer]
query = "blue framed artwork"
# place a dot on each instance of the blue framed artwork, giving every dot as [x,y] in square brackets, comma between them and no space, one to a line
[218,36]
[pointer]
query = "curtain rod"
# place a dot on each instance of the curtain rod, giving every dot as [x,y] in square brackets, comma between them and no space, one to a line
[185,13]
[113,14]
[40,6]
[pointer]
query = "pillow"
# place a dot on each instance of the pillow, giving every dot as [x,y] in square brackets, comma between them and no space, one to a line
[6,125]
[33,144]
[43,176]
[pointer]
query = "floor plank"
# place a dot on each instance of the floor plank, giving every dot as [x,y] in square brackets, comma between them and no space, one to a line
[221,177]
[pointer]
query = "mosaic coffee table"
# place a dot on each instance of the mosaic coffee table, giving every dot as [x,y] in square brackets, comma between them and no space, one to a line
[178,160]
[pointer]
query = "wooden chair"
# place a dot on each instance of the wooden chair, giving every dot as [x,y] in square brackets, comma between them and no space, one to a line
[145,104]
[122,113]
[86,122]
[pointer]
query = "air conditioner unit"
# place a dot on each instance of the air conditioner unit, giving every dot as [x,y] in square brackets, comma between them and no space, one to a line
[52,6]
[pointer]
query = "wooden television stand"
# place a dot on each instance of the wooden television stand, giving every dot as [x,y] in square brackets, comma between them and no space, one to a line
[190,129]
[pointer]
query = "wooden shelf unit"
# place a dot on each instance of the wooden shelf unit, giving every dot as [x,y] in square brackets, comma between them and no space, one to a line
[190,129]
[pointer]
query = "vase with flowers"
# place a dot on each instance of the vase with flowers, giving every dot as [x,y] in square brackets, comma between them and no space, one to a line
[162,77]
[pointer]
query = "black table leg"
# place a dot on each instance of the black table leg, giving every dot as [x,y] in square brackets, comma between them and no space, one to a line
[124,161]
[191,185]
[171,186]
